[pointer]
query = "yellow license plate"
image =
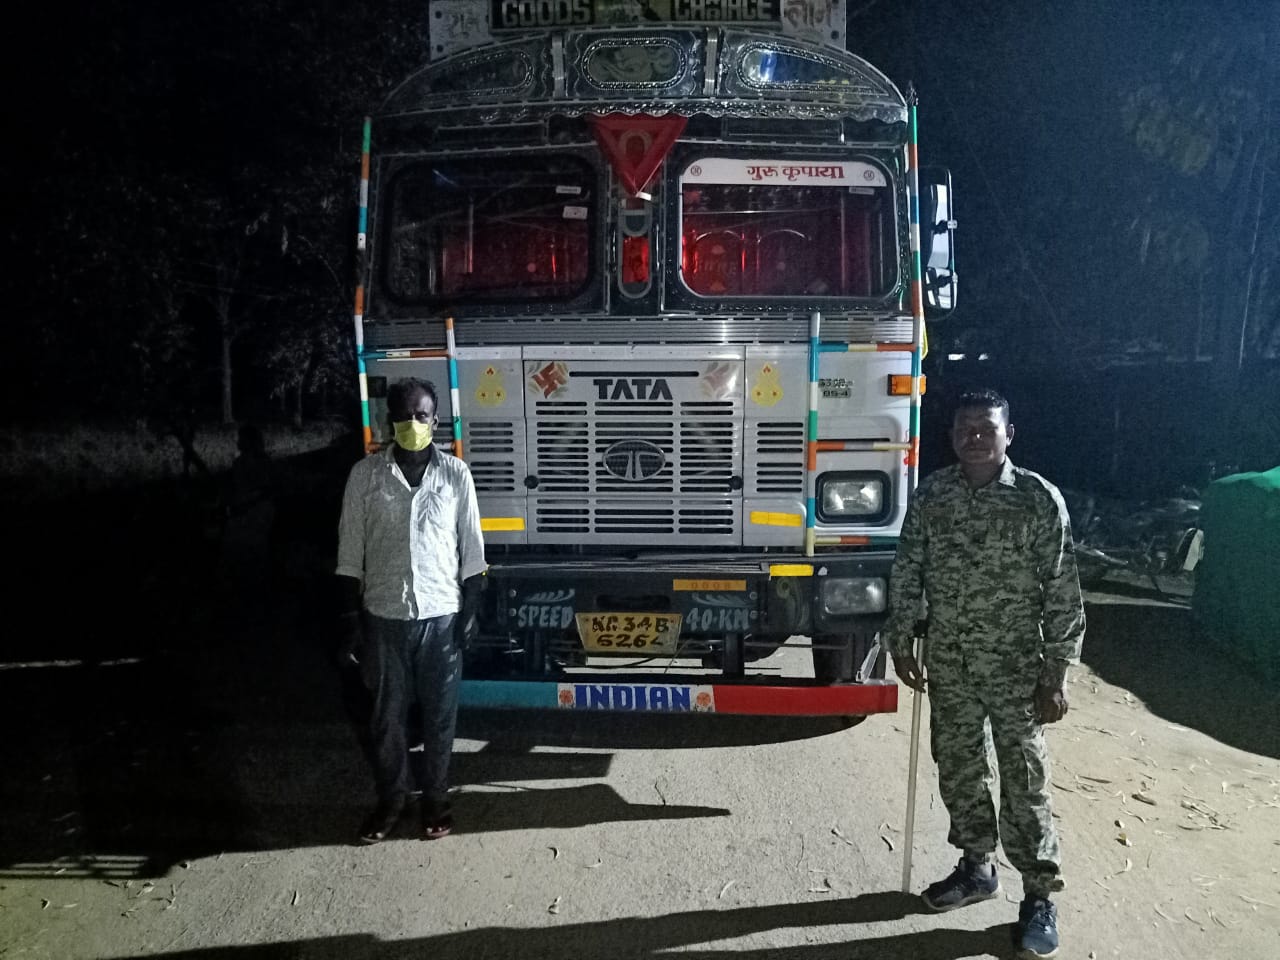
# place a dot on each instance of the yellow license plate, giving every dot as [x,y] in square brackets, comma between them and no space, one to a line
[643,633]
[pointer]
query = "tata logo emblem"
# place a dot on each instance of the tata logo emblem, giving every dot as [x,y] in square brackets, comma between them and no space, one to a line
[634,460]
[631,388]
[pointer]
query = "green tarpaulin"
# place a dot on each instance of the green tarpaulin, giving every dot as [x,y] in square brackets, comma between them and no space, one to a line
[1237,596]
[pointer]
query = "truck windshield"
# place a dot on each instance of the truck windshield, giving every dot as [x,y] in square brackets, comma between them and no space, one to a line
[485,229]
[770,228]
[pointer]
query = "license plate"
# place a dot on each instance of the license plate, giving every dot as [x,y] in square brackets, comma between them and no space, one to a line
[643,633]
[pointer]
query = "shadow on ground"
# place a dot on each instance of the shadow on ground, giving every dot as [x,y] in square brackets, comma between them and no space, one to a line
[653,937]
[180,713]
[216,740]
[234,748]
[1153,649]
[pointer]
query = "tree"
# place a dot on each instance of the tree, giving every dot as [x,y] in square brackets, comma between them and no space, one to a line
[194,194]
[1206,134]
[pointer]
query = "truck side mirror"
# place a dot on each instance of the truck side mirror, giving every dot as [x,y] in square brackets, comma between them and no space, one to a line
[937,242]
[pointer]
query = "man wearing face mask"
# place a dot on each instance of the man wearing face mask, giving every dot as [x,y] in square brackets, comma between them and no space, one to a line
[410,568]
[987,546]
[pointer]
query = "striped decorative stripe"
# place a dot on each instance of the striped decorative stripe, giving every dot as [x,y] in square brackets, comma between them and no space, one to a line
[865,348]
[832,446]
[912,458]
[811,436]
[406,354]
[455,396]
[862,540]
[597,694]
[366,428]
[362,237]
[357,318]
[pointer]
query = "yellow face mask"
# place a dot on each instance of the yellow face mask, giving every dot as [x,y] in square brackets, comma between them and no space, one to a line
[412,435]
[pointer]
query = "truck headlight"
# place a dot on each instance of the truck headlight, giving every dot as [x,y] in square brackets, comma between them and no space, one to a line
[862,497]
[843,596]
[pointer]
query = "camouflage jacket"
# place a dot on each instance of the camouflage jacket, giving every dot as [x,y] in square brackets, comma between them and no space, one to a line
[996,567]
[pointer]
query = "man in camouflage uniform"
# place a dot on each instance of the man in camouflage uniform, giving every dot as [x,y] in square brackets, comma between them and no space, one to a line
[987,546]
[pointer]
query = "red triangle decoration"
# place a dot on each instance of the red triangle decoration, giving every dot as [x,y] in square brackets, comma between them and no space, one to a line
[636,145]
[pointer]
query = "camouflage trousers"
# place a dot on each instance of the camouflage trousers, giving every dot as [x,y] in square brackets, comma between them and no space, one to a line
[970,720]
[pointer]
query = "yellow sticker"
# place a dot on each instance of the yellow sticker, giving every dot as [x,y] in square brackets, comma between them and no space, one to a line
[491,392]
[763,518]
[768,387]
[705,586]
[791,570]
[501,524]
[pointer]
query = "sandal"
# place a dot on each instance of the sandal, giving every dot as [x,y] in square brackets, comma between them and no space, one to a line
[437,823]
[381,822]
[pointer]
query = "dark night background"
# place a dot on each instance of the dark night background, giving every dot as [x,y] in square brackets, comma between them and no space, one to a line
[182,184]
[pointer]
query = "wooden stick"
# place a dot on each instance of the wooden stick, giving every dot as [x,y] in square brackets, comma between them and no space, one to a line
[916,701]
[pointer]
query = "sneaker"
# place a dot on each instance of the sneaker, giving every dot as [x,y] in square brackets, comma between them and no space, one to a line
[1037,929]
[966,885]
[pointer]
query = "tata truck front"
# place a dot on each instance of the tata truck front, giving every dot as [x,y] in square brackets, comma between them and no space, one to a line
[666,277]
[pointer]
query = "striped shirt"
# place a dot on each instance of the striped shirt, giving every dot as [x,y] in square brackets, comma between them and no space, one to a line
[410,547]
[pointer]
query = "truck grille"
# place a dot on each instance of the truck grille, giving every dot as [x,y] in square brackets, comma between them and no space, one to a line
[562,446]
[776,459]
[701,446]
[638,469]
[495,454]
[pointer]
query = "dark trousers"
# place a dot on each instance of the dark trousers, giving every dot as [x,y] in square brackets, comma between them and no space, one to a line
[406,662]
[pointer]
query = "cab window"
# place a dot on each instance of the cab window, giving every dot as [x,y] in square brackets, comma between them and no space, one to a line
[769,228]
[489,230]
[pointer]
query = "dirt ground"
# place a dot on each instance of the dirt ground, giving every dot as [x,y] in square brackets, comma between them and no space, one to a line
[196,798]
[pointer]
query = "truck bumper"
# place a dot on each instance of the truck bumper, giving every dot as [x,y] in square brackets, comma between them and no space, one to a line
[755,699]
[715,595]
[735,613]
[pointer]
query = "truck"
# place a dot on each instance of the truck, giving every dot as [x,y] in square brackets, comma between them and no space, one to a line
[663,261]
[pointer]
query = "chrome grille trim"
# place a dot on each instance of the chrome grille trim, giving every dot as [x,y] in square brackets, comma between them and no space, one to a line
[534,331]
